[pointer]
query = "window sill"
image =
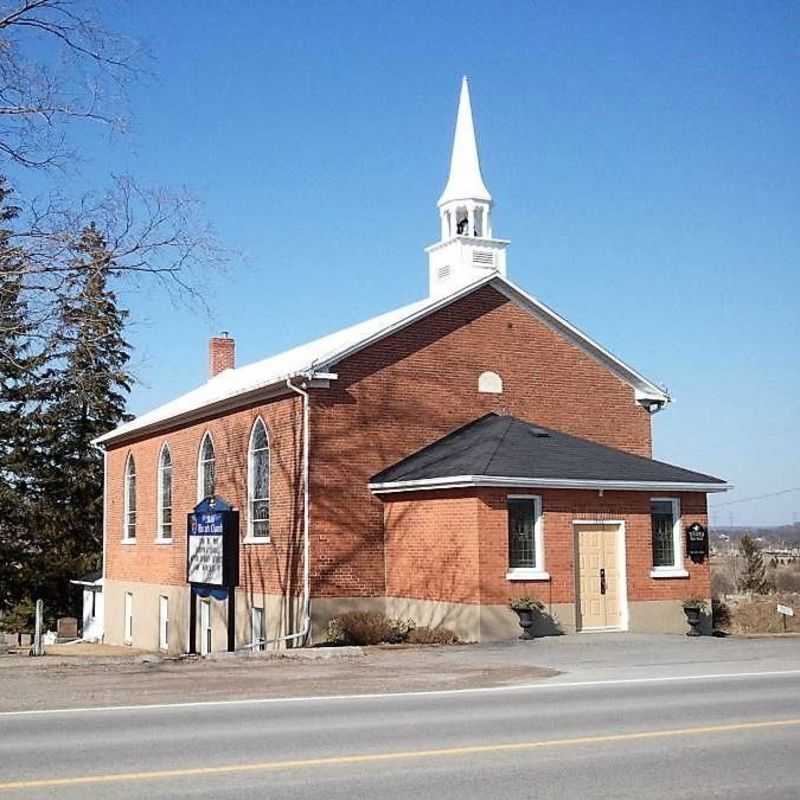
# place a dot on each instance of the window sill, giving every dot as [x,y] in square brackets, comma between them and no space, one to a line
[128,541]
[257,540]
[527,575]
[161,540]
[668,572]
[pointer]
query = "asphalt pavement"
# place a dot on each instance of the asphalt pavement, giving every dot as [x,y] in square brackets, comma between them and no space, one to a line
[705,729]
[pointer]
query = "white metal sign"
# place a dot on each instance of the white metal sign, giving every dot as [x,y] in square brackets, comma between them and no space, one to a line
[206,549]
[787,611]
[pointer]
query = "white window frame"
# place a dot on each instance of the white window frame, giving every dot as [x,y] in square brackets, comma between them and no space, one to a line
[160,538]
[676,569]
[200,468]
[250,538]
[126,510]
[163,622]
[538,573]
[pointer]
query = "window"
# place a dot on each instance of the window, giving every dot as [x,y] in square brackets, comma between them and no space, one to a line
[129,532]
[525,542]
[206,469]
[165,495]
[163,622]
[665,514]
[257,627]
[258,483]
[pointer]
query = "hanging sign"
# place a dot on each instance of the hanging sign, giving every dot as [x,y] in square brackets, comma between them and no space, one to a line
[212,544]
[697,542]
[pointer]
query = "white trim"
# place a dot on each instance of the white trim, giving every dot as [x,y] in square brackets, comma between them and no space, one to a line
[257,539]
[538,540]
[126,539]
[249,537]
[201,476]
[669,570]
[461,481]
[622,569]
[160,538]
[523,574]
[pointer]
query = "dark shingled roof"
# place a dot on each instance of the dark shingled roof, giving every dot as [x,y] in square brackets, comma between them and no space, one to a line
[503,446]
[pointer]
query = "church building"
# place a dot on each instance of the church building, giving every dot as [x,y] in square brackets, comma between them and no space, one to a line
[431,463]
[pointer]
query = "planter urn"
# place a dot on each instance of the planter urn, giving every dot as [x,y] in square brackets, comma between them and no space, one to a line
[694,615]
[526,619]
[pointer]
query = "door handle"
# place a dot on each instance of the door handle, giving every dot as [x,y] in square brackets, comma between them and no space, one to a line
[602,581]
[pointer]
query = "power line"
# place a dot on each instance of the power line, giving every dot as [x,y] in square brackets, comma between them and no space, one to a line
[757,497]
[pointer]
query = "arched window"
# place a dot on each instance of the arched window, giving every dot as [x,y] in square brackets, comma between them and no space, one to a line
[129,532]
[205,469]
[258,482]
[165,494]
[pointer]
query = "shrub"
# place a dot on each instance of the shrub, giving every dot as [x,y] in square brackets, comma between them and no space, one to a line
[720,614]
[367,627]
[426,635]
[787,579]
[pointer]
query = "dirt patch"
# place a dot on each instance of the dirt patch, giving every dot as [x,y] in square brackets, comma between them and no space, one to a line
[64,682]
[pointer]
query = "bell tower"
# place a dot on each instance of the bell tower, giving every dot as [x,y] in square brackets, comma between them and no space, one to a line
[466,250]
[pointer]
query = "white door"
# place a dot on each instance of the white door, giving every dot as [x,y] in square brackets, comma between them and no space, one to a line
[128,618]
[205,627]
[163,622]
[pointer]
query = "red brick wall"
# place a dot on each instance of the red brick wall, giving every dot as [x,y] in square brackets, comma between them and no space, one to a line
[410,389]
[263,567]
[432,549]
[425,529]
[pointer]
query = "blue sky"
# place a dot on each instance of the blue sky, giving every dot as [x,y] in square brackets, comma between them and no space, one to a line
[643,158]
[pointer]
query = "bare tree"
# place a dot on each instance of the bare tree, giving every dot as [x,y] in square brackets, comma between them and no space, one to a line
[79,72]
[59,66]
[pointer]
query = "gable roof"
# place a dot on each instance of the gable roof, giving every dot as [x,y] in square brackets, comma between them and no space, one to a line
[505,451]
[237,386]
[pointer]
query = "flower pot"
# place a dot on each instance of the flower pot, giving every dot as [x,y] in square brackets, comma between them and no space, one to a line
[694,615]
[526,618]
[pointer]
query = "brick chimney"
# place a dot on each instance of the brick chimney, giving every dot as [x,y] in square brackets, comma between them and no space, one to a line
[221,353]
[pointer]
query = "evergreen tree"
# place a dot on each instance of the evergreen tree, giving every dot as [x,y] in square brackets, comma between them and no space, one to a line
[19,367]
[87,390]
[754,571]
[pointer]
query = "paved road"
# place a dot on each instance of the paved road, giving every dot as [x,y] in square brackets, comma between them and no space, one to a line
[722,737]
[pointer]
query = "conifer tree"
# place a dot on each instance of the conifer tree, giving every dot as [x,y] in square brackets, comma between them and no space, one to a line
[19,367]
[754,571]
[88,386]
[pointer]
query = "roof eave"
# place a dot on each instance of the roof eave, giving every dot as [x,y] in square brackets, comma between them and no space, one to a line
[276,388]
[502,481]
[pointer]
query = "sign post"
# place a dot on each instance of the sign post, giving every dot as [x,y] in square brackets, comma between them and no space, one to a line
[785,611]
[212,561]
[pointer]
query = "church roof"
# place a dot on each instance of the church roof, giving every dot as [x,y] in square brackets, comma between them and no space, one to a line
[499,450]
[465,181]
[234,387]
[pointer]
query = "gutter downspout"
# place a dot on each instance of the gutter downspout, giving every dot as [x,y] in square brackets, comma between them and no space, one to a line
[304,631]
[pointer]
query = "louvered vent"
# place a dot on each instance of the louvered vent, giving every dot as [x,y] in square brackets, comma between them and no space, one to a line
[444,272]
[483,257]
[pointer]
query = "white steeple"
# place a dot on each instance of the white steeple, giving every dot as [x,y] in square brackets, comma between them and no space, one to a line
[465,181]
[466,250]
